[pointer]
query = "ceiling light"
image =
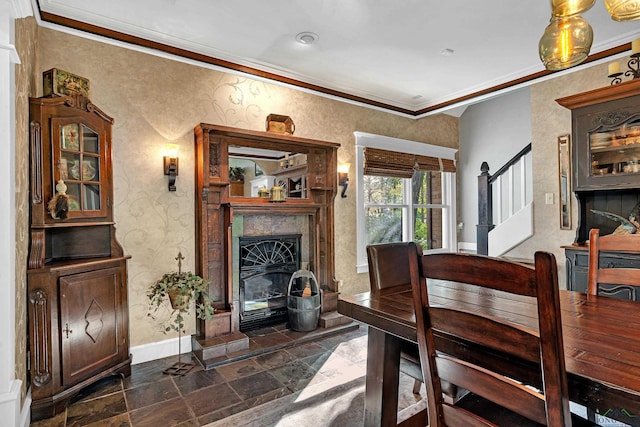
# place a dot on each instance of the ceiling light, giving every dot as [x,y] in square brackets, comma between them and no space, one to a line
[623,10]
[567,39]
[307,37]
[570,7]
[566,42]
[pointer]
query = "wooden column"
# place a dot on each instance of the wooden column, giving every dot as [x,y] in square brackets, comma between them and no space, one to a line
[485,215]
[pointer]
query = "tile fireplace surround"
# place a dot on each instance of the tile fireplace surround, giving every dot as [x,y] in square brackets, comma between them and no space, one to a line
[266,226]
[219,350]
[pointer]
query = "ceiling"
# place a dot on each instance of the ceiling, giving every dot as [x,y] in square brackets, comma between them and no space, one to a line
[383,53]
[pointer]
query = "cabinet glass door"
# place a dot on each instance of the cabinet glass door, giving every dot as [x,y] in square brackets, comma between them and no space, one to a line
[615,151]
[79,157]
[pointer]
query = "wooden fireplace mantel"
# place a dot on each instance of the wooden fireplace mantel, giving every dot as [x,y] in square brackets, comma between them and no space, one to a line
[216,209]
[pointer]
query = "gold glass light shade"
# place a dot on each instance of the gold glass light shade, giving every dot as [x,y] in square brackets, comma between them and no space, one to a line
[570,7]
[566,42]
[623,10]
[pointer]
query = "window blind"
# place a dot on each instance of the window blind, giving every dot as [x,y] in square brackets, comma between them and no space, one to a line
[395,164]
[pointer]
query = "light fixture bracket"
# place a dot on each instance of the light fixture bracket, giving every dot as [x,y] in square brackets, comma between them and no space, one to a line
[343,181]
[171,169]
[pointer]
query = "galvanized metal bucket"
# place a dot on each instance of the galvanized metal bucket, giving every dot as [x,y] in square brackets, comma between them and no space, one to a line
[304,311]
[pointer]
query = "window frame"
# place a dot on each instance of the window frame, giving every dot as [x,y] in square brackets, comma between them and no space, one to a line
[449,236]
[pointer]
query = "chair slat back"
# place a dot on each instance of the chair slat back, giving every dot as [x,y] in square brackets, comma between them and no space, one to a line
[624,278]
[493,331]
[389,267]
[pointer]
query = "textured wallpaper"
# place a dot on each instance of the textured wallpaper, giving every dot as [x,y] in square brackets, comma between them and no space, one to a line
[26,38]
[156,101]
[548,121]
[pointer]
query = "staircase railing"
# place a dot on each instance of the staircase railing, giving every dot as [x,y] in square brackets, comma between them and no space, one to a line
[485,197]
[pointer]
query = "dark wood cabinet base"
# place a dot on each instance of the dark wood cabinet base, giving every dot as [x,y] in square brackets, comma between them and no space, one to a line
[577,259]
[51,406]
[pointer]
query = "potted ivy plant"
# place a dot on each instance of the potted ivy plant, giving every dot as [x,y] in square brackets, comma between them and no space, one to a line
[180,289]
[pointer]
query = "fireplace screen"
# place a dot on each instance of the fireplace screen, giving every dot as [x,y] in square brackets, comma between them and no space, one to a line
[266,266]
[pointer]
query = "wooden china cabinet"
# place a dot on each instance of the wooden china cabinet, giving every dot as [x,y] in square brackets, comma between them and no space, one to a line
[606,170]
[77,272]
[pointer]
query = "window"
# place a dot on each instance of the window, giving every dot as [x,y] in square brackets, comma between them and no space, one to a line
[413,206]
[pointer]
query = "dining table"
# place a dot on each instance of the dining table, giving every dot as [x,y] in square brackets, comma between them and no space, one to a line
[601,338]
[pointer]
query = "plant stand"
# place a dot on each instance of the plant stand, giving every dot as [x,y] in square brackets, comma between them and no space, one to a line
[180,367]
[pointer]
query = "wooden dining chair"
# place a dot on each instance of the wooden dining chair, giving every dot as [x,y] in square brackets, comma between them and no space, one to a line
[617,282]
[498,394]
[388,273]
[620,282]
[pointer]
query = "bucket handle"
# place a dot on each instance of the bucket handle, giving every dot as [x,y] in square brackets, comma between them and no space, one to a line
[304,273]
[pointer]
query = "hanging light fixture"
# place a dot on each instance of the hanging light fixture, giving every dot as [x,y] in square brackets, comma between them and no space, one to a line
[566,42]
[562,8]
[623,10]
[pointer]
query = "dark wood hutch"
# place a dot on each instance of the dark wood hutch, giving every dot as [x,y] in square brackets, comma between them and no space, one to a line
[217,207]
[606,169]
[77,272]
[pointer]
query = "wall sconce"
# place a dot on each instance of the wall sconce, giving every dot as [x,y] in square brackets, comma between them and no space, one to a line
[170,161]
[633,65]
[343,177]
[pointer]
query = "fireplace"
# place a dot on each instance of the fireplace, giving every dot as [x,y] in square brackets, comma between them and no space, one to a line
[266,265]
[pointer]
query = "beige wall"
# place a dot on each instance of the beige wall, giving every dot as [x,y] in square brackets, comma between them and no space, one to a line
[26,45]
[155,101]
[548,121]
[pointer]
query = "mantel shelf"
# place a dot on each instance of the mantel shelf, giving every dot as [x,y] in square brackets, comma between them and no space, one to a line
[73,224]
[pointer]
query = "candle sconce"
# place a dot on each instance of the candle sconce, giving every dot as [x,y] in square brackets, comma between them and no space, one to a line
[343,178]
[633,65]
[170,165]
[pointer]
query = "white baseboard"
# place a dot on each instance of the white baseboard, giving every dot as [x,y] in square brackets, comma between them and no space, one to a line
[470,247]
[25,415]
[158,350]
[10,406]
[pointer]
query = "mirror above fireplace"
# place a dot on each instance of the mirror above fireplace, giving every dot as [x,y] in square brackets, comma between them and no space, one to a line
[254,171]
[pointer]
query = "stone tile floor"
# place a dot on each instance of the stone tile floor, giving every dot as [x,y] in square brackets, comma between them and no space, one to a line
[150,398]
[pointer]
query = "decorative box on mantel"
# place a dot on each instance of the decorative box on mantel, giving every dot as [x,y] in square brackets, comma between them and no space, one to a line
[280,124]
[605,154]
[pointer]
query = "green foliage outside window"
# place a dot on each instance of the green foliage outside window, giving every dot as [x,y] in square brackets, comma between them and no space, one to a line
[384,200]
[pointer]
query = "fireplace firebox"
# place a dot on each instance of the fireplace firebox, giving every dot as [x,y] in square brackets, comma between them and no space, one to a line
[266,266]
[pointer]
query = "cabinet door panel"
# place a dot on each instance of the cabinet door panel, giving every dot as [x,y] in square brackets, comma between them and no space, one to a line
[79,156]
[90,323]
[578,272]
